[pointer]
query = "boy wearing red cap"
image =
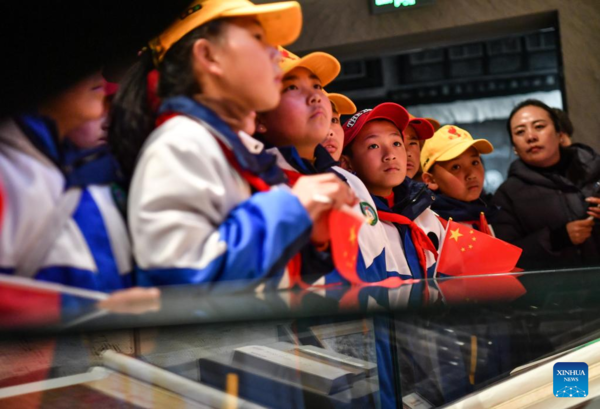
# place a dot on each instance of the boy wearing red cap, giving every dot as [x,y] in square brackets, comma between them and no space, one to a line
[374,150]
[417,131]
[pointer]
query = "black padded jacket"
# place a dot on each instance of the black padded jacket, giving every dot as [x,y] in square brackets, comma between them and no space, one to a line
[536,205]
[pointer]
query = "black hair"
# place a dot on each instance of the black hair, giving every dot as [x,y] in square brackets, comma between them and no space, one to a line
[566,125]
[131,118]
[348,150]
[535,103]
[334,108]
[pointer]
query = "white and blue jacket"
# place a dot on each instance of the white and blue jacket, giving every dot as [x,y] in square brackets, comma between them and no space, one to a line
[382,252]
[92,248]
[194,219]
[412,200]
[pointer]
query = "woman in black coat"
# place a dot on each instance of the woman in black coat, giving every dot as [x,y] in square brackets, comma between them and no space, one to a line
[547,204]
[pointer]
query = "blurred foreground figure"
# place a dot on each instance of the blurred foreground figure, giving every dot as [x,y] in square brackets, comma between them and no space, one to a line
[61,223]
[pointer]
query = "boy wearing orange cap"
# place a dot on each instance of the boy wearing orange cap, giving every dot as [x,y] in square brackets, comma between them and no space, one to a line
[374,149]
[452,168]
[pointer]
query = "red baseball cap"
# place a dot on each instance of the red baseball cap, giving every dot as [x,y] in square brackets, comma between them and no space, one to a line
[389,111]
[423,128]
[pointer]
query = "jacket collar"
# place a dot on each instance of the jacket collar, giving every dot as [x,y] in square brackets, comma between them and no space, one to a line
[322,162]
[411,198]
[261,164]
[461,211]
[584,168]
[81,167]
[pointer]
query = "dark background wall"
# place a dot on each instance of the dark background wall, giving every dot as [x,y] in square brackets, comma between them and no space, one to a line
[347,29]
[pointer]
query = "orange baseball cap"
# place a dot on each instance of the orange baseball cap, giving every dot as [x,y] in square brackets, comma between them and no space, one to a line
[282,21]
[343,104]
[450,142]
[323,65]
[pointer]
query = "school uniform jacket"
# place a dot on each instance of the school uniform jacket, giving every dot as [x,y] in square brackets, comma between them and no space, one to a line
[381,252]
[92,248]
[476,214]
[194,219]
[412,200]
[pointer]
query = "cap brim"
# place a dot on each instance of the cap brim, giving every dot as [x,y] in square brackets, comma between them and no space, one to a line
[422,127]
[434,122]
[481,145]
[391,112]
[323,65]
[343,104]
[282,21]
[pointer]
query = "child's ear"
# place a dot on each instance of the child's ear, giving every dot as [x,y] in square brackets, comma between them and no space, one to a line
[429,181]
[345,163]
[205,59]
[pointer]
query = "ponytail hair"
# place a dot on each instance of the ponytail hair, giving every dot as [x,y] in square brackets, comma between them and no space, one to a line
[132,116]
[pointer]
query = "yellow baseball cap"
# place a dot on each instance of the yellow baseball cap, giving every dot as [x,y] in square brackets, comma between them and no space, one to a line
[323,65]
[450,142]
[282,21]
[343,104]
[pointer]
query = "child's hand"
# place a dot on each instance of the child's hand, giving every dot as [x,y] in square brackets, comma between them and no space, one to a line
[136,300]
[320,233]
[321,193]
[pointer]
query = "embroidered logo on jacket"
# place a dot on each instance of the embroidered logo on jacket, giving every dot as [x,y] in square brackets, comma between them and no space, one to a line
[369,212]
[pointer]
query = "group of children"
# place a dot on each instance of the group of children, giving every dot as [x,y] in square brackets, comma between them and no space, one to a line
[232,155]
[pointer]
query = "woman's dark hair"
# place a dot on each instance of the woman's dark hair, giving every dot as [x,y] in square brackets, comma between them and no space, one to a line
[132,118]
[566,125]
[535,103]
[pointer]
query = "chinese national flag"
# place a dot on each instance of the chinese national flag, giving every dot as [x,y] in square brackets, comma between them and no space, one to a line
[344,226]
[467,251]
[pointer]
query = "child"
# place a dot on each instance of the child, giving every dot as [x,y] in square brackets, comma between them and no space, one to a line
[340,105]
[374,150]
[62,224]
[93,133]
[296,128]
[200,204]
[452,168]
[417,131]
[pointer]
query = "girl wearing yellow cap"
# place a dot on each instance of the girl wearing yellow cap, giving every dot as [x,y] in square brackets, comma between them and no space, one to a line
[195,212]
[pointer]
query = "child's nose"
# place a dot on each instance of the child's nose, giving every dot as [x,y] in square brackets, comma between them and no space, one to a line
[315,97]
[389,155]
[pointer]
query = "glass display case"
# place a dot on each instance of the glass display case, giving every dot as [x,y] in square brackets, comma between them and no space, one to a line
[464,342]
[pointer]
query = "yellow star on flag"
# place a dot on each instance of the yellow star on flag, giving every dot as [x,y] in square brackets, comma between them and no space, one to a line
[353,234]
[455,234]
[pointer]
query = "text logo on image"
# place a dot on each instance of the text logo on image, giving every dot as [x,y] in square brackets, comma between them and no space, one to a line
[570,380]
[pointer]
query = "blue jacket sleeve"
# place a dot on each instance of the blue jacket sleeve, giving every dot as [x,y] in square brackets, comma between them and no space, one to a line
[255,241]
